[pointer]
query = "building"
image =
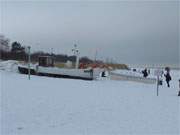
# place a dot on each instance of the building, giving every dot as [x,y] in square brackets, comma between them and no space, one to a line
[4,44]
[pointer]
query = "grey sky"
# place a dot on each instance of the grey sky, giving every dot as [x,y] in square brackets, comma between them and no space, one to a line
[128,32]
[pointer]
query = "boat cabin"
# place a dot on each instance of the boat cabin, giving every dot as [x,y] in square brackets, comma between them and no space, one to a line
[46,61]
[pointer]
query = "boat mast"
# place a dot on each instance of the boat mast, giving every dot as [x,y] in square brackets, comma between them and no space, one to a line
[76,53]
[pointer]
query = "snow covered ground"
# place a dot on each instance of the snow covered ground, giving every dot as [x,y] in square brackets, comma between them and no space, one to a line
[53,106]
[9,65]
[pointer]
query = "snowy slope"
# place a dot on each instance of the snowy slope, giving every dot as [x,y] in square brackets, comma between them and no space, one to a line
[53,106]
[135,74]
[9,65]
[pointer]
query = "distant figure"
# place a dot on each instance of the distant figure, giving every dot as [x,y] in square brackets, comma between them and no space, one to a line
[149,71]
[167,69]
[103,74]
[145,73]
[168,78]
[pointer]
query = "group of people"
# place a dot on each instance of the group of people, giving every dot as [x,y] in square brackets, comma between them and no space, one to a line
[167,75]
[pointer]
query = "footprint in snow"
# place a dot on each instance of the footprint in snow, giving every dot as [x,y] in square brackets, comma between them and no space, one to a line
[20,128]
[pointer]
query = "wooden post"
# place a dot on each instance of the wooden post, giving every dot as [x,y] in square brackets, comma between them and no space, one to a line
[29,62]
[179,88]
[158,73]
[157,85]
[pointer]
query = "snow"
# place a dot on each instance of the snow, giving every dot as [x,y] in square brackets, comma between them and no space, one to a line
[128,75]
[54,106]
[9,65]
[128,72]
[133,73]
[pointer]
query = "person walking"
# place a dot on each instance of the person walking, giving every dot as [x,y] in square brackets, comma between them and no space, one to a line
[145,73]
[168,78]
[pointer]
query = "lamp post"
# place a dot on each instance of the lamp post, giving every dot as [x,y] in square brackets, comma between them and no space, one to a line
[76,53]
[158,73]
[29,62]
[157,85]
[179,88]
[52,51]
[95,58]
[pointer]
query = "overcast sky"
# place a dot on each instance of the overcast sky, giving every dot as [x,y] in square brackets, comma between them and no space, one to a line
[128,32]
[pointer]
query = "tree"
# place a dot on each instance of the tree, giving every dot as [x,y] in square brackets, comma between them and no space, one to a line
[18,52]
[85,60]
[4,43]
[16,47]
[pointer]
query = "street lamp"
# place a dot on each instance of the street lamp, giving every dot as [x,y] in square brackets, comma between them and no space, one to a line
[76,53]
[29,62]
[179,88]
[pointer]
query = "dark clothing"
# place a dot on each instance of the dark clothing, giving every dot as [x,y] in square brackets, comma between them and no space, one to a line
[168,83]
[168,79]
[145,73]
[103,74]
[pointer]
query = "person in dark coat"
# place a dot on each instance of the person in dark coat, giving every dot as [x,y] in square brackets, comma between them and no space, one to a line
[168,78]
[103,74]
[145,73]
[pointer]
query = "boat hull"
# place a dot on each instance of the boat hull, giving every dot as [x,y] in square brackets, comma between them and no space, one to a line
[64,76]
[24,70]
[42,72]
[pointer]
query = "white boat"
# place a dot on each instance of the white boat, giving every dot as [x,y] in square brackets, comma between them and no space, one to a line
[46,68]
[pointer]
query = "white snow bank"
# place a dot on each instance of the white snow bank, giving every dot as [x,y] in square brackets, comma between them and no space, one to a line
[129,75]
[128,72]
[132,73]
[9,65]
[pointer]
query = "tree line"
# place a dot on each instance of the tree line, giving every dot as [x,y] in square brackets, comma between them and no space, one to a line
[18,52]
